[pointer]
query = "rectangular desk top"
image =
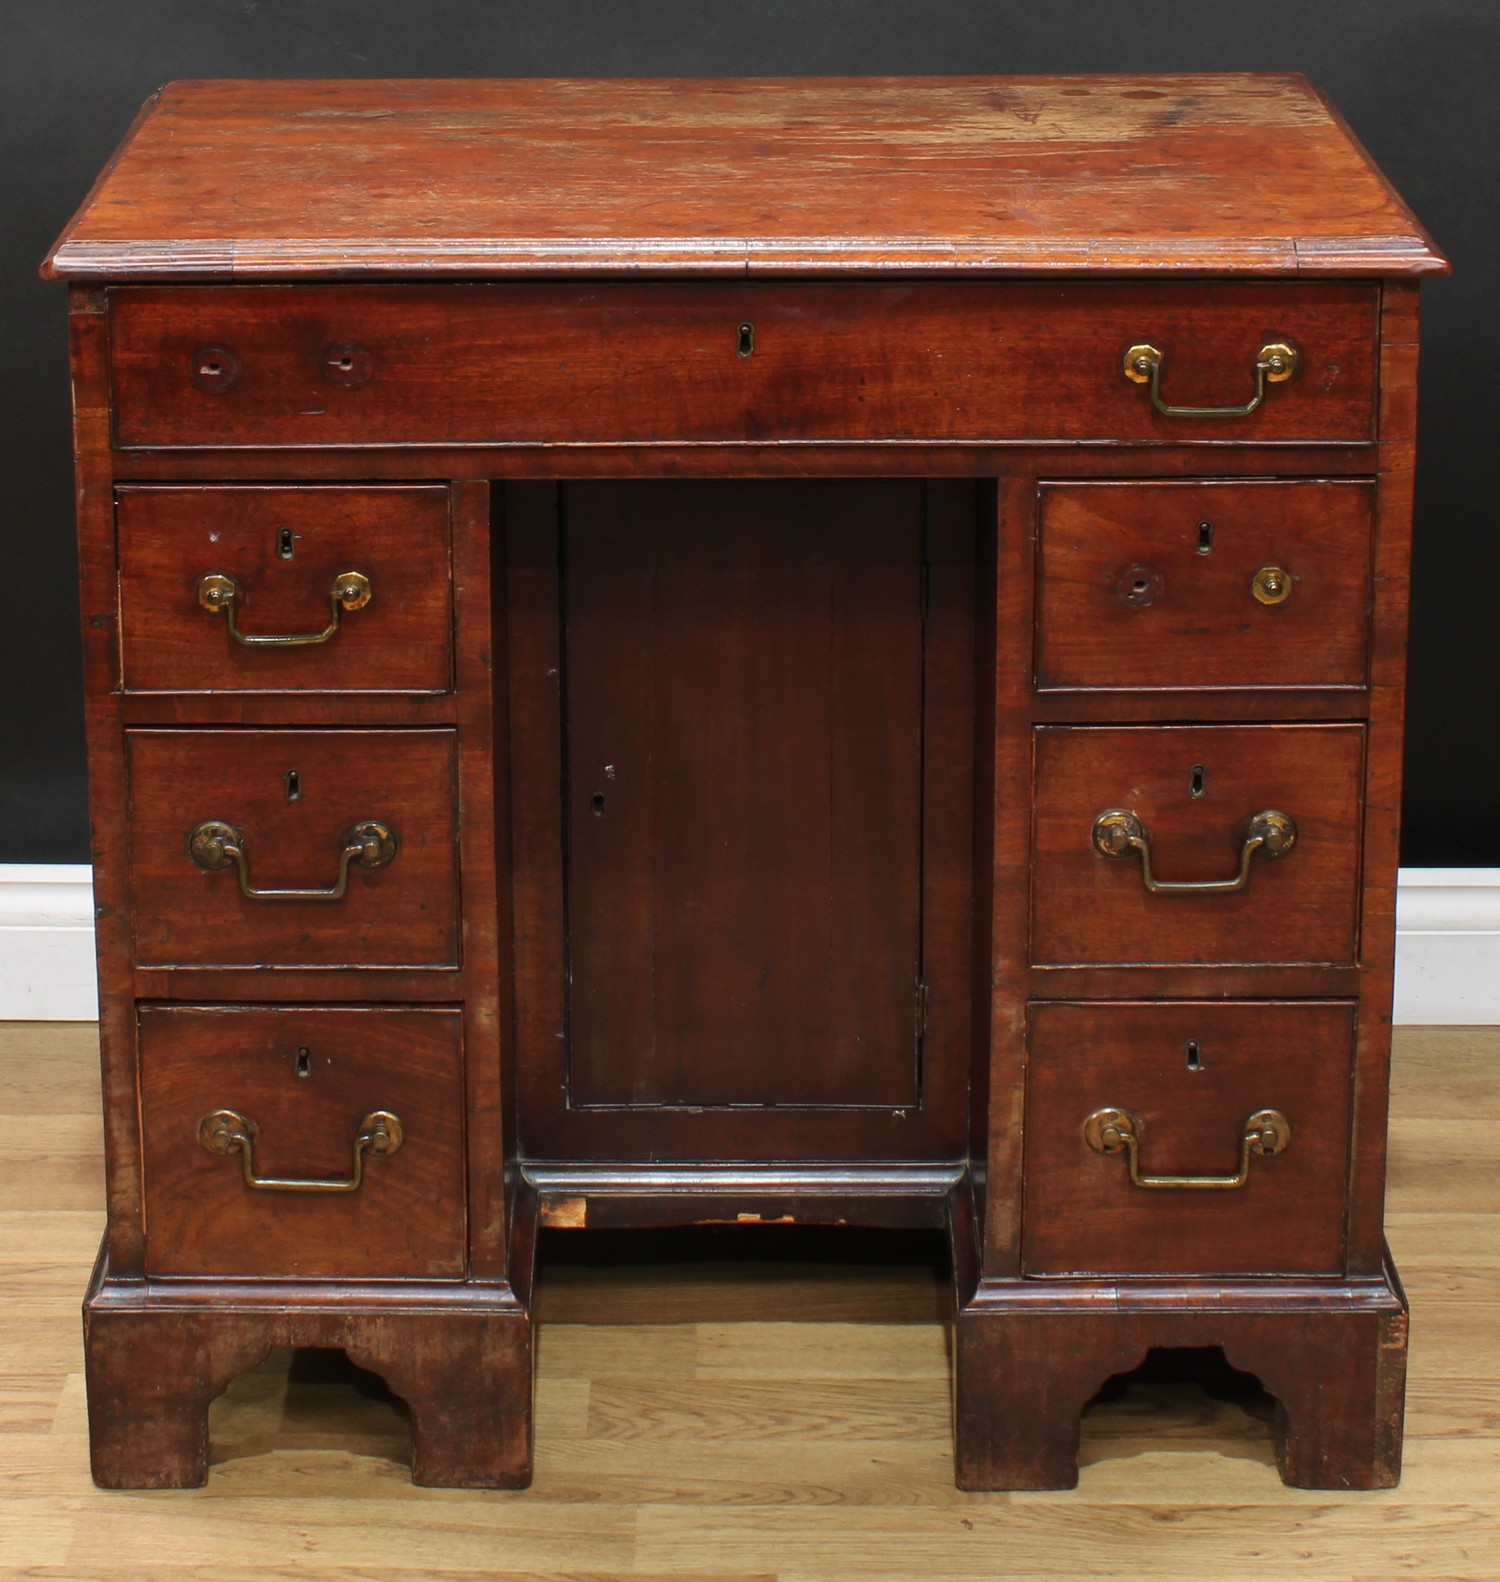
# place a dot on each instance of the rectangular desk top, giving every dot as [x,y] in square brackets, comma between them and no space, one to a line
[1225,174]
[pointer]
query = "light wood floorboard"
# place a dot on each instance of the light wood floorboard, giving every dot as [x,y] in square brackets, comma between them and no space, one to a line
[753,1419]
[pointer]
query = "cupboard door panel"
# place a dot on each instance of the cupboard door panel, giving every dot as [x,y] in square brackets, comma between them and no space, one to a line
[744,792]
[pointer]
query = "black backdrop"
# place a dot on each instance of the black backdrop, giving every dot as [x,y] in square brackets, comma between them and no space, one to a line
[1416,79]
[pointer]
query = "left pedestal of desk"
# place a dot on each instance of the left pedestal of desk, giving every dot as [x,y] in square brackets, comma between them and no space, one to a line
[293,789]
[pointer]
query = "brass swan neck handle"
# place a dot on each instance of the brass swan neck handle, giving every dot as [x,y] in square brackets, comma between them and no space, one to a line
[1275,363]
[226,1131]
[215,845]
[1119,832]
[220,594]
[1112,1130]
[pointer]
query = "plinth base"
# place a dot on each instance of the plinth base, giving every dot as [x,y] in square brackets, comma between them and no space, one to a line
[1030,1355]
[156,1356]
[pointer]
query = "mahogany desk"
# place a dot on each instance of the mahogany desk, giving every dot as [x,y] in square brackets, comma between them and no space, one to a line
[819,651]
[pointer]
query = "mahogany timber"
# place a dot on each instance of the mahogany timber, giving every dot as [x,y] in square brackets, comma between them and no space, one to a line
[1144,585]
[283,547]
[1190,1106]
[561,364]
[1333,1356]
[1213,173]
[491,320]
[1302,907]
[584,616]
[744,794]
[403,914]
[156,1362]
[304,1078]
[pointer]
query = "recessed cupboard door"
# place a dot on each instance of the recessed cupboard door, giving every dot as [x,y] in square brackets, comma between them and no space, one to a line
[743,674]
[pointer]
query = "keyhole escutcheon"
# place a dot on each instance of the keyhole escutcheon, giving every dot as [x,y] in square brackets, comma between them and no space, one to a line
[746,339]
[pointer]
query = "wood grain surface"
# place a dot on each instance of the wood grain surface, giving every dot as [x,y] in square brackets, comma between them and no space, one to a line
[1083,1213]
[744,793]
[754,1418]
[304,1079]
[1303,907]
[713,726]
[284,548]
[1144,585]
[402,914]
[1223,172]
[656,362]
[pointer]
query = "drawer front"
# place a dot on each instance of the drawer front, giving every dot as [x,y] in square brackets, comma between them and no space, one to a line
[233,1098]
[275,589]
[644,363]
[1191,795]
[303,810]
[1184,1080]
[1184,585]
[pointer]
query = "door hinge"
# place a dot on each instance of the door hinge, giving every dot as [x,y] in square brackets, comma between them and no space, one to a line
[921,1011]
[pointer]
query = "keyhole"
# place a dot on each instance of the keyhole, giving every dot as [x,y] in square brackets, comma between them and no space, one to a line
[286,543]
[1194,1055]
[747,339]
[293,782]
[1205,537]
[1196,781]
[304,1062]
[211,370]
[596,802]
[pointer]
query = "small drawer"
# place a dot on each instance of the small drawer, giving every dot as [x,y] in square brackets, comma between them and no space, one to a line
[1137,1120]
[747,362]
[1185,585]
[1189,845]
[303,1143]
[294,848]
[275,589]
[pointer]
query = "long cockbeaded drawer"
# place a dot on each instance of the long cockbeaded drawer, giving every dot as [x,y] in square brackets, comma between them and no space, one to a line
[303,1142]
[690,362]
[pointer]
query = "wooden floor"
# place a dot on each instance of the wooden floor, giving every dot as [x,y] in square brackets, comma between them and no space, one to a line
[788,1421]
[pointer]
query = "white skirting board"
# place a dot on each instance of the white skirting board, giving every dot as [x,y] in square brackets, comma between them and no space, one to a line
[1447,944]
[47,943]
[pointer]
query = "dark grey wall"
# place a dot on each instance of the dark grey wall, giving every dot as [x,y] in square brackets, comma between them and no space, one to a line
[1416,80]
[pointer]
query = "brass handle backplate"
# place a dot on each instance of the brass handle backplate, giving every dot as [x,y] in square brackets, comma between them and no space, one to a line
[1109,1131]
[225,1131]
[1275,363]
[1120,833]
[215,845]
[1271,585]
[219,594]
